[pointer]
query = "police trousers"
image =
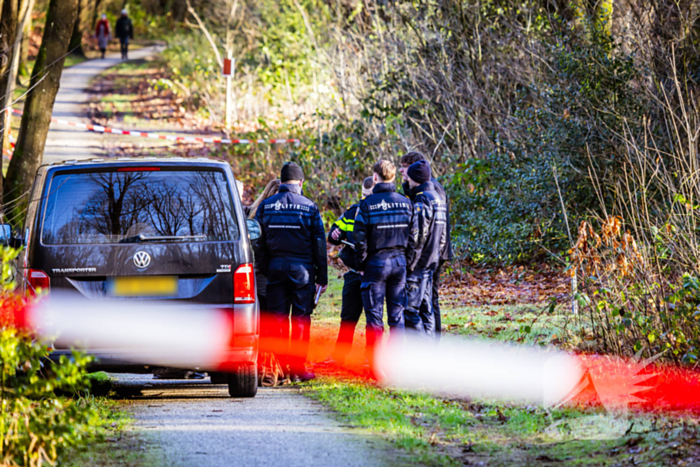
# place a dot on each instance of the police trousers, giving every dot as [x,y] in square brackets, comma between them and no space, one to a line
[436,299]
[349,314]
[418,314]
[384,278]
[290,286]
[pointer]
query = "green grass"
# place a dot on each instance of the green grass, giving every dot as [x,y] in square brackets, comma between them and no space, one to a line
[438,431]
[115,442]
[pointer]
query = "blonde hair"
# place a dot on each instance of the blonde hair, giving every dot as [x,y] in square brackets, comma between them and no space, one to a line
[270,190]
[386,170]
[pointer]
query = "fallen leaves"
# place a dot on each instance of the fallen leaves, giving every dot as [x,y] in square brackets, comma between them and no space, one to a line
[471,285]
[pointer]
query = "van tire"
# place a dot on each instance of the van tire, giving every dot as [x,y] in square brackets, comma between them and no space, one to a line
[243,381]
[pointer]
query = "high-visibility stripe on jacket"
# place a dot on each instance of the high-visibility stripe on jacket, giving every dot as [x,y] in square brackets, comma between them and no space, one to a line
[346,225]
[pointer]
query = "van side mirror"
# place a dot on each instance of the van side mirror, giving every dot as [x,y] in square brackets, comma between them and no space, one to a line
[5,234]
[253,229]
[6,237]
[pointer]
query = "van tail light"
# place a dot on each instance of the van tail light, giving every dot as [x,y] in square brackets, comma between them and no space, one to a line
[37,280]
[244,284]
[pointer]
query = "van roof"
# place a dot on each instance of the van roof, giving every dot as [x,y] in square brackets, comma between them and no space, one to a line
[132,160]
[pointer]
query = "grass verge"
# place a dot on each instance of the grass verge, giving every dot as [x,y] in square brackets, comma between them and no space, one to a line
[115,443]
[444,432]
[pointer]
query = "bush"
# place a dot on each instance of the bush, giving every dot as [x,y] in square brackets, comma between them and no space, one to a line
[36,423]
[639,269]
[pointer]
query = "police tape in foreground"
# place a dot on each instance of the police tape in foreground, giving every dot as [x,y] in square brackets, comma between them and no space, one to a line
[203,337]
[187,139]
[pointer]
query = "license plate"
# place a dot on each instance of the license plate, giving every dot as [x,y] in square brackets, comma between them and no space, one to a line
[142,286]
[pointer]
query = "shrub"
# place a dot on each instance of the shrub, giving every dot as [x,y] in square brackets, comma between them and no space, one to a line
[36,424]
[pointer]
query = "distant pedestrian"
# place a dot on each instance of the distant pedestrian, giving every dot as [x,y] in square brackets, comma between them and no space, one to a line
[292,254]
[103,34]
[425,244]
[446,255]
[125,32]
[381,235]
[341,233]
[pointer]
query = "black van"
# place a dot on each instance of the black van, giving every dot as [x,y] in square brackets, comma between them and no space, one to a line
[144,228]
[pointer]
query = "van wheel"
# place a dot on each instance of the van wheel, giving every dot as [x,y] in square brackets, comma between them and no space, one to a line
[243,382]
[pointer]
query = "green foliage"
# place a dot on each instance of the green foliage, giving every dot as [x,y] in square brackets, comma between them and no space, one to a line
[35,424]
[521,110]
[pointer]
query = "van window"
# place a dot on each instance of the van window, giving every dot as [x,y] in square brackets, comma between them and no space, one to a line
[122,204]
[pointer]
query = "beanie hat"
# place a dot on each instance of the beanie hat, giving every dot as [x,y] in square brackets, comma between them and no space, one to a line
[419,172]
[291,171]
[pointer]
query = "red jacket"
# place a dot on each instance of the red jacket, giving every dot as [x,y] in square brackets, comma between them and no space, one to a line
[103,23]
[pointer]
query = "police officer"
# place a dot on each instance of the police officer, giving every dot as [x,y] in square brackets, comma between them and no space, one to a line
[425,244]
[342,231]
[381,232]
[292,254]
[446,254]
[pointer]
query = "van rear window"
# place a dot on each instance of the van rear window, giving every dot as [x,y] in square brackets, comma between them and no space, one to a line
[130,206]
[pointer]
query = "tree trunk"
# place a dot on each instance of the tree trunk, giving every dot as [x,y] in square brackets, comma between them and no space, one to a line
[24,70]
[76,38]
[38,107]
[95,14]
[8,28]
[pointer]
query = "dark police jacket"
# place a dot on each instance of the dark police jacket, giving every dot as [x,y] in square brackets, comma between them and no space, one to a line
[346,224]
[427,240]
[291,228]
[446,254]
[382,223]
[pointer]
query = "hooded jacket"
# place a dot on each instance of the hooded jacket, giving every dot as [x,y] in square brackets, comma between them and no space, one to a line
[446,254]
[429,234]
[291,228]
[382,223]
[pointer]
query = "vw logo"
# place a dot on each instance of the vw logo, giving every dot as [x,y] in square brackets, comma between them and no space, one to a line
[142,259]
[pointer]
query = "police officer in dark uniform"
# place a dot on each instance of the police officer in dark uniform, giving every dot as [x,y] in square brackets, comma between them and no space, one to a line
[292,254]
[446,254]
[381,231]
[425,244]
[342,231]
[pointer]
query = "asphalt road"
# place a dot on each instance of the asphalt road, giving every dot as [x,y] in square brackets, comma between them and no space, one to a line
[195,423]
[69,143]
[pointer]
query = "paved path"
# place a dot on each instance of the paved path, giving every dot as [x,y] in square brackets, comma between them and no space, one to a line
[186,423]
[64,142]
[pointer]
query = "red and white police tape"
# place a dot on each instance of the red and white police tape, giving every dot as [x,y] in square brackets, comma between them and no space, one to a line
[205,337]
[189,139]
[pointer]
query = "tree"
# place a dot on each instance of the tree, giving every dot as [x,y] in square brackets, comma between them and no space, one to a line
[46,78]
[14,17]
[82,23]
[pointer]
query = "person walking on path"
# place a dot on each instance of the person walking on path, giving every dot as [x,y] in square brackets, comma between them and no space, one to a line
[125,32]
[446,254]
[342,231]
[425,244]
[103,34]
[292,254]
[381,232]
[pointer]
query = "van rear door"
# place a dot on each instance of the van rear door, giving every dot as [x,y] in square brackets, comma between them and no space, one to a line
[142,231]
